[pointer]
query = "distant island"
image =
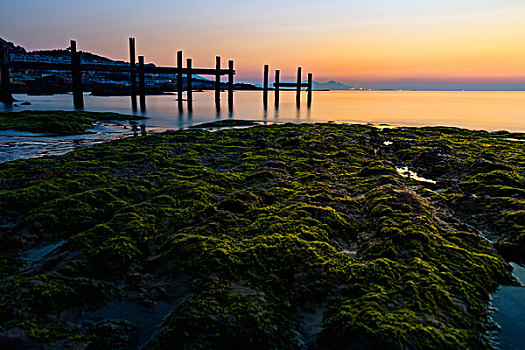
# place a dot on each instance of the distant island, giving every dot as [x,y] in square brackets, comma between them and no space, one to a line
[333,85]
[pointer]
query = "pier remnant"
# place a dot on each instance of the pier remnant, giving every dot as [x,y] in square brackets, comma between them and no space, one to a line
[277,87]
[298,88]
[179,79]
[189,74]
[5,79]
[76,77]
[132,74]
[142,84]
[298,85]
[218,83]
[231,72]
[310,85]
[265,86]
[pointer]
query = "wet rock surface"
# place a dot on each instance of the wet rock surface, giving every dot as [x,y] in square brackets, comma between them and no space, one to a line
[281,236]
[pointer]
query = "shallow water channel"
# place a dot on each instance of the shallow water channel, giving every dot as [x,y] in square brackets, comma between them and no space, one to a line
[509,314]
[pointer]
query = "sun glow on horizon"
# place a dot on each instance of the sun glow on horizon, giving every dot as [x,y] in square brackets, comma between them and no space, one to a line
[381,40]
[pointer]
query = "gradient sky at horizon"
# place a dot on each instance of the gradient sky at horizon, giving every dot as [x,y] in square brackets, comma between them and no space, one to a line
[377,41]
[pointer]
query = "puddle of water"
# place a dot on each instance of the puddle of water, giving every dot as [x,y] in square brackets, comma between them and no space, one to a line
[511,139]
[509,302]
[37,254]
[23,145]
[405,172]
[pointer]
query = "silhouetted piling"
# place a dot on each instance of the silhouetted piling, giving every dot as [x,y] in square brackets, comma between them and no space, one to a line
[142,84]
[5,83]
[276,85]
[310,86]
[230,84]
[265,86]
[179,79]
[298,93]
[189,95]
[133,74]
[76,77]
[218,83]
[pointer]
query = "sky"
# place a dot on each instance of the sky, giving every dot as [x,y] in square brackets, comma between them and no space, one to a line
[375,43]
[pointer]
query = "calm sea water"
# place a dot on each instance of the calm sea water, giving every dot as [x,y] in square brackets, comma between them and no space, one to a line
[509,302]
[474,110]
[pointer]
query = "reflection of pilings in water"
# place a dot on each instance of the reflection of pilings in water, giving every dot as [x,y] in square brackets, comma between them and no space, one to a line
[179,102]
[8,106]
[134,103]
[181,120]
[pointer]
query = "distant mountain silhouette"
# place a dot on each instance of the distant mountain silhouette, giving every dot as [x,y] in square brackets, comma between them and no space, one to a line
[331,85]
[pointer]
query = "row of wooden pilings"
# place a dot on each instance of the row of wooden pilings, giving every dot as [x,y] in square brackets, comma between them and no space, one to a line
[278,84]
[139,70]
[135,71]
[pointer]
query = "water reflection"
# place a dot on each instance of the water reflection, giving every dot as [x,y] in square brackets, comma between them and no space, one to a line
[474,110]
[509,302]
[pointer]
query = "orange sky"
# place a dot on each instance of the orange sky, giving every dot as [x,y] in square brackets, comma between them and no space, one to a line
[376,40]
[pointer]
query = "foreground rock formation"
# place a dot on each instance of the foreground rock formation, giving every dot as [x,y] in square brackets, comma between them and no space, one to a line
[282,236]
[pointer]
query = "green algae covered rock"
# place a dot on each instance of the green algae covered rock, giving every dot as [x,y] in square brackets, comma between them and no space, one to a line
[56,122]
[282,236]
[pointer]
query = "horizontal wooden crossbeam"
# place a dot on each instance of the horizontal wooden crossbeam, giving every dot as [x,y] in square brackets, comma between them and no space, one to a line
[115,68]
[294,85]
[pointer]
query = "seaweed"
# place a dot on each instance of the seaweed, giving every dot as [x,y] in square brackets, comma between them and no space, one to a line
[250,235]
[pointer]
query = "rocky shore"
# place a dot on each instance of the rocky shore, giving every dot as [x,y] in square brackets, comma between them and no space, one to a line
[58,122]
[295,236]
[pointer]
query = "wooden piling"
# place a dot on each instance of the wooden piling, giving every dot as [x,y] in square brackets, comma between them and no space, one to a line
[76,77]
[218,83]
[230,85]
[179,78]
[142,84]
[298,93]
[276,85]
[310,87]
[133,74]
[265,86]
[189,95]
[5,83]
